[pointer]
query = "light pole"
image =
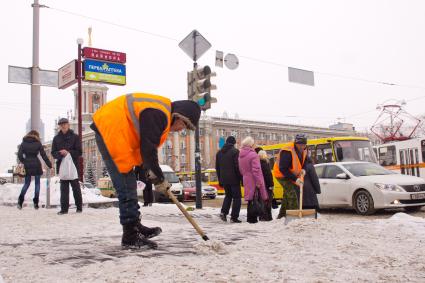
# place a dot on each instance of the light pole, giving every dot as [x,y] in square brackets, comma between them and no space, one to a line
[35,80]
[80,42]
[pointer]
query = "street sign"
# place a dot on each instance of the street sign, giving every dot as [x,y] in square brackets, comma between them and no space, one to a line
[219,58]
[231,61]
[194,45]
[67,75]
[22,75]
[104,55]
[105,72]
[301,76]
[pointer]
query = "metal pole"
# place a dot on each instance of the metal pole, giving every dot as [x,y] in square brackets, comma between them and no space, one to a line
[48,188]
[35,86]
[198,164]
[80,118]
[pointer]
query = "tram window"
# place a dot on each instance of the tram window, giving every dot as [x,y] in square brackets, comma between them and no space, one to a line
[387,155]
[324,153]
[423,150]
[312,153]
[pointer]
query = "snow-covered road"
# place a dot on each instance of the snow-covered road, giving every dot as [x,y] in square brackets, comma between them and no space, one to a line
[40,246]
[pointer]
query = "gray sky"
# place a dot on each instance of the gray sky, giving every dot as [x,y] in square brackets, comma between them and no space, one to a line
[374,40]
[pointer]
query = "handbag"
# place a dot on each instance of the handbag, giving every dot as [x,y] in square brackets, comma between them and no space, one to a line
[67,169]
[20,170]
[257,204]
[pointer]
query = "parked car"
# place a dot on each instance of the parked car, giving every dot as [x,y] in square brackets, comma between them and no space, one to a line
[367,187]
[3,181]
[189,189]
[90,187]
[176,186]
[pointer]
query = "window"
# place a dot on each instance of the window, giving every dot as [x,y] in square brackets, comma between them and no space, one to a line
[319,171]
[423,150]
[331,172]
[324,153]
[387,155]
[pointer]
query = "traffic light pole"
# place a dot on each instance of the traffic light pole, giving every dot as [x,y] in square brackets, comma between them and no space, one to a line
[198,163]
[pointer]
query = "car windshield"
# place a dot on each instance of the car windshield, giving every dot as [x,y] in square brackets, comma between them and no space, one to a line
[171,177]
[189,184]
[366,169]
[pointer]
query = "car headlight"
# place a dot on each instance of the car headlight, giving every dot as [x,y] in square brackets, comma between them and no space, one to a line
[389,187]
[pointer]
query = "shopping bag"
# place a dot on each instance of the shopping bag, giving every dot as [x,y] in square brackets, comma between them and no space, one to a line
[67,169]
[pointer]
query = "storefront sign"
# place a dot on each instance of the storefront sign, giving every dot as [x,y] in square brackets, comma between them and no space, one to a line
[105,72]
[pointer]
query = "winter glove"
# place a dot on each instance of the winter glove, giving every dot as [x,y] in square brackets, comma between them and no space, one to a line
[299,182]
[150,175]
[163,187]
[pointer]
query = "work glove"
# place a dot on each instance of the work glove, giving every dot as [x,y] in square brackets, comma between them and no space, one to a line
[150,175]
[163,187]
[299,182]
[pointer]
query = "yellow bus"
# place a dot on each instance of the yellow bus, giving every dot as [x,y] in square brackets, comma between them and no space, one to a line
[325,150]
[208,176]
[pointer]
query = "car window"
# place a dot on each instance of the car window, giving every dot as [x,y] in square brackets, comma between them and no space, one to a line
[331,172]
[319,171]
[324,153]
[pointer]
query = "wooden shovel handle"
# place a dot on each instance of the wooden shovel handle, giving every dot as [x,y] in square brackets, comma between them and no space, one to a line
[187,215]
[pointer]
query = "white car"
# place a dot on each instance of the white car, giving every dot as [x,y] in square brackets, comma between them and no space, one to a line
[367,186]
[90,187]
[176,186]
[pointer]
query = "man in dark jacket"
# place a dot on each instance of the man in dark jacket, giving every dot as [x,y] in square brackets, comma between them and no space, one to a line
[64,143]
[229,177]
[129,130]
[311,188]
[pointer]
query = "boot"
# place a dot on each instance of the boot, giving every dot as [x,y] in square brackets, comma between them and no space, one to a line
[223,217]
[36,206]
[20,202]
[148,232]
[235,220]
[132,238]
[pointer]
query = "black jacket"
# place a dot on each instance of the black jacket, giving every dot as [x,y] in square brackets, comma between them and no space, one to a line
[311,187]
[70,142]
[227,165]
[28,155]
[267,173]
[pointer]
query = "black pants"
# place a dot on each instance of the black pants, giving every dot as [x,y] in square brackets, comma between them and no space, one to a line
[76,191]
[232,193]
[268,207]
[147,193]
[251,215]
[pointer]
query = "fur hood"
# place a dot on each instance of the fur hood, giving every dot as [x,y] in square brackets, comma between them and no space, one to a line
[31,138]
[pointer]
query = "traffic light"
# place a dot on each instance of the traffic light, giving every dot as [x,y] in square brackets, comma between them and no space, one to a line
[199,87]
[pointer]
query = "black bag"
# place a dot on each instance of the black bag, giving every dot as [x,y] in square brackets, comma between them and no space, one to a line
[257,204]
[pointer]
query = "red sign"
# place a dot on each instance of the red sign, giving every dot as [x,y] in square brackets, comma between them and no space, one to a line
[104,55]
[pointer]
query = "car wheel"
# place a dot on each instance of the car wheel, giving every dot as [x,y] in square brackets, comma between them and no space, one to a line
[412,208]
[363,203]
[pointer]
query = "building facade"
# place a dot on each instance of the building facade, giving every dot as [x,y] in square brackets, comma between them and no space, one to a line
[179,149]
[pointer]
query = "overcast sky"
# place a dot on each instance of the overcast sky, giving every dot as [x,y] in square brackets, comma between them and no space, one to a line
[374,40]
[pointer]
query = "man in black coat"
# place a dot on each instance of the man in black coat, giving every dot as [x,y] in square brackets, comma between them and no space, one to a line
[311,188]
[67,142]
[229,177]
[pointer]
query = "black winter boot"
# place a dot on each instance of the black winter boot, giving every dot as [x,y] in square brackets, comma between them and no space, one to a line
[132,238]
[148,232]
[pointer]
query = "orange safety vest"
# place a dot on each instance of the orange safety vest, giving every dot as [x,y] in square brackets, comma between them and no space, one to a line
[118,123]
[297,165]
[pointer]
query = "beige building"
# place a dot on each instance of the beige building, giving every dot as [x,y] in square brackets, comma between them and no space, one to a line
[178,150]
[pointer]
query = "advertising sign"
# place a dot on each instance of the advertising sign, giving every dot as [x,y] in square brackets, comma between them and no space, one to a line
[105,72]
[104,55]
[67,75]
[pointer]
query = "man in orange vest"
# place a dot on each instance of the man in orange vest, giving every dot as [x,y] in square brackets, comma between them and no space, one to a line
[288,170]
[129,130]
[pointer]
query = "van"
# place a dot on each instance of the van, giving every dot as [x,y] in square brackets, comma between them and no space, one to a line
[106,187]
[176,185]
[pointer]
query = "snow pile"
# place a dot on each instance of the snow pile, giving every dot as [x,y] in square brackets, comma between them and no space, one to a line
[9,193]
[211,247]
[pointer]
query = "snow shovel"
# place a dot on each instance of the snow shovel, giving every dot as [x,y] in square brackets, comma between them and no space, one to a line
[187,215]
[300,213]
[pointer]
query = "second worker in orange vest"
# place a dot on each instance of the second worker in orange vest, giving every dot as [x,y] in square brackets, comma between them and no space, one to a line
[288,169]
[129,130]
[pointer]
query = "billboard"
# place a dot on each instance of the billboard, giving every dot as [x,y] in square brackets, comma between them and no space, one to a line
[104,72]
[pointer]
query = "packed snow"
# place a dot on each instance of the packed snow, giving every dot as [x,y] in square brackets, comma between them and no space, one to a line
[40,246]
[9,194]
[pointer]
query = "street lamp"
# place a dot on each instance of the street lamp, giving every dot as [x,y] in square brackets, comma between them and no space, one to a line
[80,41]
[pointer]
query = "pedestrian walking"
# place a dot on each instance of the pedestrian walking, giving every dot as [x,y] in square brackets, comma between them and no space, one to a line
[253,181]
[288,169]
[28,153]
[141,175]
[129,130]
[229,177]
[64,143]
[268,181]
